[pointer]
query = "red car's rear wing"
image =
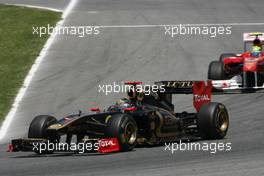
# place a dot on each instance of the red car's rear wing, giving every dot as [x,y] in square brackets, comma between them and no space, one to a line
[201,90]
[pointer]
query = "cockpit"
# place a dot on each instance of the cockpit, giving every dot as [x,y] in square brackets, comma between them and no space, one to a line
[121,105]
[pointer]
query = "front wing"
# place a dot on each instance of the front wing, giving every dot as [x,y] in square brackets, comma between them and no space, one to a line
[44,146]
[233,86]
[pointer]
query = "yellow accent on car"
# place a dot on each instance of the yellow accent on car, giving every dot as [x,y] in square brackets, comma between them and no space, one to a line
[255,34]
[108,118]
[55,126]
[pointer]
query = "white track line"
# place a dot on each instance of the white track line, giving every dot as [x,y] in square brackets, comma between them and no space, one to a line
[10,116]
[37,7]
[166,25]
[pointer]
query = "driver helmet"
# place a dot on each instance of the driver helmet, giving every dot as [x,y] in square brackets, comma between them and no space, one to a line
[257,42]
[123,102]
[140,96]
[131,93]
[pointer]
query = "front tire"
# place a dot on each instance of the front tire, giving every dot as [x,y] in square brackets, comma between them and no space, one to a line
[124,128]
[216,71]
[213,121]
[38,129]
[250,79]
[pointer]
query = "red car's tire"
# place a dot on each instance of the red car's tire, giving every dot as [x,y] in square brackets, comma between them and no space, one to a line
[216,71]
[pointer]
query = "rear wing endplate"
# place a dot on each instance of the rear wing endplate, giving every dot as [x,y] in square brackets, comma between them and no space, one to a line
[201,90]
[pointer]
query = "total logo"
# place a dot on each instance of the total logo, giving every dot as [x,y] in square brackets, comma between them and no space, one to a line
[198,98]
[105,143]
[108,145]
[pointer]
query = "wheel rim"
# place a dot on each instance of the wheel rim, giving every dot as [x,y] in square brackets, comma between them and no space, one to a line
[130,133]
[222,122]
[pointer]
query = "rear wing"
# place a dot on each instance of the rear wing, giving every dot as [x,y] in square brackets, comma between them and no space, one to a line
[201,90]
[177,87]
[251,36]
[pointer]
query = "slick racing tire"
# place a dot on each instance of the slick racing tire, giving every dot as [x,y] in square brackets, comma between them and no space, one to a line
[250,79]
[213,121]
[38,129]
[124,128]
[216,71]
[225,55]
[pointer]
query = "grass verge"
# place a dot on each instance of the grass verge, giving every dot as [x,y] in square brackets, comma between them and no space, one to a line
[19,48]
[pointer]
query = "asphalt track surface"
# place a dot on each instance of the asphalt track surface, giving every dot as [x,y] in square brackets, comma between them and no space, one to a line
[69,76]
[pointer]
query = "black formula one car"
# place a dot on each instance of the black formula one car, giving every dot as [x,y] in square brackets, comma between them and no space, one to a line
[139,119]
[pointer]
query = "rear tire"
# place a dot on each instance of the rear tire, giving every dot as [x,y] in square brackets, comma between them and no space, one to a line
[225,55]
[213,121]
[124,128]
[216,71]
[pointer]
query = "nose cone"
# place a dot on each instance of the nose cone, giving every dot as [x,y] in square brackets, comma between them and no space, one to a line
[250,64]
[252,67]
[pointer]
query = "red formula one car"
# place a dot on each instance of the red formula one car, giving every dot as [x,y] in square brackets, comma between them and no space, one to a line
[243,72]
